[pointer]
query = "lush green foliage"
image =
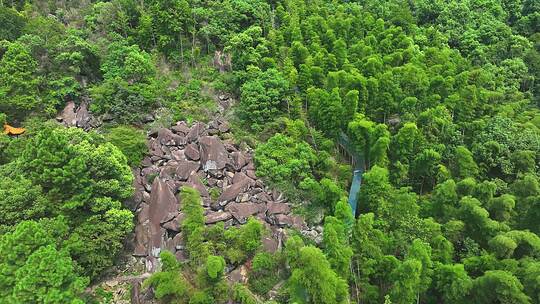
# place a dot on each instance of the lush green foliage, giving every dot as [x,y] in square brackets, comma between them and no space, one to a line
[439,101]
[130,141]
[80,181]
[36,267]
[209,249]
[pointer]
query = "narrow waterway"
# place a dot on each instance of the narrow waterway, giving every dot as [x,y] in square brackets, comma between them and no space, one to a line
[358,170]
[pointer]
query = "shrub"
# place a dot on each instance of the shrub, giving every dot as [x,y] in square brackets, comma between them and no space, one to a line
[130,141]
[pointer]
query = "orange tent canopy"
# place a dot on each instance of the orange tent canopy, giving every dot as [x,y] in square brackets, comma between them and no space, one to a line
[9,130]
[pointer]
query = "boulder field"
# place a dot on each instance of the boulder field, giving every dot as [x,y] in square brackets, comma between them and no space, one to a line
[224,174]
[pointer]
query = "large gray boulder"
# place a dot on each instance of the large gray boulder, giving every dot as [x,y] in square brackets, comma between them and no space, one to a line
[240,184]
[277,208]
[163,207]
[242,211]
[180,128]
[68,115]
[192,152]
[214,156]
[185,168]
[196,131]
[238,160]
[82,116]
[194,181]
[214,217]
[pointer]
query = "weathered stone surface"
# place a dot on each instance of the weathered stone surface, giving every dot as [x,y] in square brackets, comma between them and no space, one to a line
[185,169]
[192,152]
[154,148]
[178,155]
[214,217]
[82,116]
[67,116]
[146,162]
[240,177]
[212,182]
[224,127]
[178,241]
[167,172]
[250,165]
[241,184]
[283,220]
[188,157]
[180,128]
[264,197]
[149,171]
[135,292]
[142,236]
[78,116]
[163,203]
[196,131]
[277,208]
[238,160]
[251,174]
[168,138]
[214,156]
[138,185]
[175,223]
[298,222]
[146,197]
[144,213]
[230,147]
[195,182]
[242,211]
[181,256]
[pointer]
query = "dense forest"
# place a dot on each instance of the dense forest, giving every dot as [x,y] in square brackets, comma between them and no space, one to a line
[437,100]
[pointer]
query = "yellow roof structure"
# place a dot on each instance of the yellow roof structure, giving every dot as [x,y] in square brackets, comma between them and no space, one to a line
[9,130]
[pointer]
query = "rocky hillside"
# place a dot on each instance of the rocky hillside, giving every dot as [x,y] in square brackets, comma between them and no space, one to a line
[202,157]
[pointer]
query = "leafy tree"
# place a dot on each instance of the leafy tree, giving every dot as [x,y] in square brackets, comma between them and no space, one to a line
[369,244]
[172,22]
[421,251]
[464,165]
[13,23]
[18,81]
[371,140]
[501,208]
[193,224]
[407,282]
[336,246]
[129,83]
[263,275]
[375,187]
[313,281]
[48,276]
[34,269]
[350,104]
[498,286]
[84,180]
[451,282]
[130,141]
[20,200]
[261,97]
[445,200]
[243,241]
[169,284]
[478,225]
[326,110]
[282,158]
